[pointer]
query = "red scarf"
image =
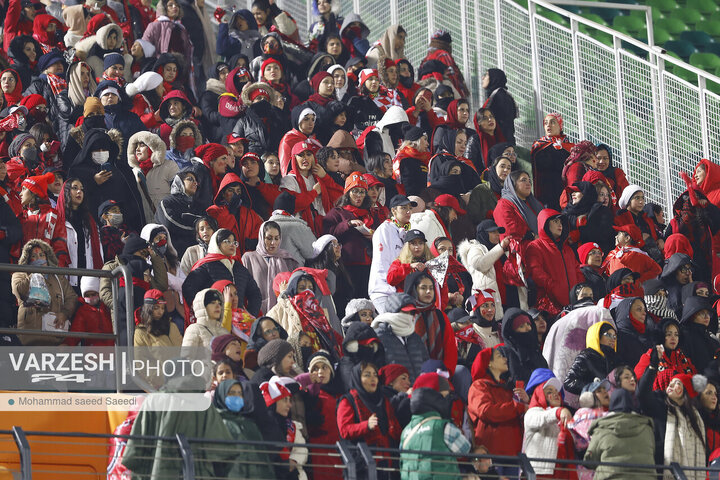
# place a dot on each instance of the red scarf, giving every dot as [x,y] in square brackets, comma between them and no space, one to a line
[314,322]
[637,325]
[211,257]
[361,214]
[469,335]
[558,142]
[119,80]
[146,166]
[136,283]
[319,99]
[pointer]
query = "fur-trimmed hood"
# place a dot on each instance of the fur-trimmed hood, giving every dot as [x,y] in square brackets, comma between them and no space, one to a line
[149,228]
[35,242]
[151,140]
[179,126]
[96,136]
[214,85]
[250,87]
[103,33]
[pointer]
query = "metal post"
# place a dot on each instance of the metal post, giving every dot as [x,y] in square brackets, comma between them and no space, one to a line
[369,460]
[527,467]
[125,331]
[482,67]
[677,471]
[702,97]
[465,45]
[23,447]
[346,454]
[621,103]
[497,7]
[649,24]
[430,18]
[661,129]
[537,83]
[578,79]
[394,12]
[356,6]
[187,457]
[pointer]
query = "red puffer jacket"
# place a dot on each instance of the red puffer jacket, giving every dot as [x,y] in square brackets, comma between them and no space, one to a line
[554,269]
[352,429]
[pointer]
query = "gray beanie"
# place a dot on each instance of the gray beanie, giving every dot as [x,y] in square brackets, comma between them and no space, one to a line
[273,352]
[357,304]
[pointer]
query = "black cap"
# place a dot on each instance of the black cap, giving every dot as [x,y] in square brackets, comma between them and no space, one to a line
[105,206]
[134,243]
[413,235]
[413,133]
[489,226]
[398,200]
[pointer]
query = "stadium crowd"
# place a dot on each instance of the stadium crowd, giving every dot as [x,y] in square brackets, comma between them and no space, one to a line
[366,257]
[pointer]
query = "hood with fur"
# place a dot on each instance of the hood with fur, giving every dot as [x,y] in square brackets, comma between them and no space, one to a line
[150,227]
[52,260]
[155,143]
[199,307]
[180,126]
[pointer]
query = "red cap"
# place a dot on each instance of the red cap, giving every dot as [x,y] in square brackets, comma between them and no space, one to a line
[633,231]
[250,156]
[235,137]
[38,184]
[372,180]
[431,380]
[355,180]
[571,188]
[259,92]
[300,147]
[154,296]
[220,285]
[389,63]
[447,200]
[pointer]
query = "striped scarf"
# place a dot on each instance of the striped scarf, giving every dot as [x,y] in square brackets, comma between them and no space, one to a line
[428,326]
[57,84]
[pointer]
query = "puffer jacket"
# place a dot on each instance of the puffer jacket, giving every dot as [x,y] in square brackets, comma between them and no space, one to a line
[297,237]
[63,298]
[155,185]
[552,265]
[204,330]
[633,343]
[595,361]
[178,212]
[480,263]
[263,132]
[402,345]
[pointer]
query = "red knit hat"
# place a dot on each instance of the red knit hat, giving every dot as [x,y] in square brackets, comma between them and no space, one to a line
[38,184]
[274,390]
[390,373]
[694,384]
[355,180]
[209,152]
[431,380]
[585,249]
[33,100]
[267,62]
[317,78]
[389,63]
[482,361]
[447,200]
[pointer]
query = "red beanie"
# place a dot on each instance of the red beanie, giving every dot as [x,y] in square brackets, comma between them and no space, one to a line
[694,384]
[482,360]
[38,184]
[389,373]
[585,249]
[355,180]
[220,285]
[431,380]
[389,63]
[209,152]
[33,100]
[267,62]
[317,78]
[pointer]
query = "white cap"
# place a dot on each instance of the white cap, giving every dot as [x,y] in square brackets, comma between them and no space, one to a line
[322,242]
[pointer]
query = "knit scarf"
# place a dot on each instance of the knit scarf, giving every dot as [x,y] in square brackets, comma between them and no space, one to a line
[57,84]
[361,214]
[558,142]
[146,166]
[404,226]
[428,326]
[119,80]
[637,325]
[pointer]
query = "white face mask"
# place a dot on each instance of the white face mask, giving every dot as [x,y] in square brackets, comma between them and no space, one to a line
[100,157]
[44,148]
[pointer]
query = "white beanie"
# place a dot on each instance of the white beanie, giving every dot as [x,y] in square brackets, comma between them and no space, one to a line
[146,81]
[627,194]
[89,284]
[322,242]
[148,48]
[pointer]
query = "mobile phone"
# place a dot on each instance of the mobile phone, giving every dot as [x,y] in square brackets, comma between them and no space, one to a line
[520,384]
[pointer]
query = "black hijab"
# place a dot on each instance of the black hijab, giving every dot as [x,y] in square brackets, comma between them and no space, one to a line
[375,401]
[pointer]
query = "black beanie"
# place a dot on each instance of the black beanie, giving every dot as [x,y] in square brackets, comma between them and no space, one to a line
[286,202]
[134,243]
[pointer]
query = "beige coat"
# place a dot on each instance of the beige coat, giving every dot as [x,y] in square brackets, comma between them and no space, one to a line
[63,298]
[204,330]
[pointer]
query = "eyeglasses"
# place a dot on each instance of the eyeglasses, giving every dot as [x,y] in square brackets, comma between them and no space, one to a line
[358,191]
[229,242]
[510,154]
[611,336]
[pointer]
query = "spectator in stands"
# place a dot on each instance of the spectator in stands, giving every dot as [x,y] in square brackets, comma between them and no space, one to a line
[153,327]
[518,209]
[596,360]
[697,343]
[614,174]
[500,102]
[522,349]
[548,156]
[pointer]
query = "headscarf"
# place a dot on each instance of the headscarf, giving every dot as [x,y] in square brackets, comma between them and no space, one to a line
[529,208]
[221,393]
[558,142]
[75,90]
[275,261]
[375,402]
[452,119]
[14,97]
[609,172]
[491,176]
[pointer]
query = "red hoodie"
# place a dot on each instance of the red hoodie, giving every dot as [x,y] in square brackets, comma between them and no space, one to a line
[246,217]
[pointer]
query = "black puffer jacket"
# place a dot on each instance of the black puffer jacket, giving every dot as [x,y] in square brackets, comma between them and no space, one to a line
[502,104]
[521,349]
[178,213]
[695,340]
[674,289]
[410,352]
[600,218]
[263,137]
[590,363]
[354,352]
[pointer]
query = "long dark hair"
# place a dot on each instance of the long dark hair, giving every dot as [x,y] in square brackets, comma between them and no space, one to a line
[345,200]
[82,213]
[443,213]
[688,411]
[210,221]
[158,328]
[326,261]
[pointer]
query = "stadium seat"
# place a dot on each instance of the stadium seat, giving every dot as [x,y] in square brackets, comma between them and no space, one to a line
[661,36]
[656,14]
[705,7]
[713,48]
[672,25]
[665,6]
[710,27]
[700,39]
[681,47]
[705,61]
[688,15]
[607,13]
[633,25]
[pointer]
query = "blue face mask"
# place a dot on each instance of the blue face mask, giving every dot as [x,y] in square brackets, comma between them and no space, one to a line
[39,262]
[234,404]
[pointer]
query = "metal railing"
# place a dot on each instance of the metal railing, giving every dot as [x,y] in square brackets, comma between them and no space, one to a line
[123,329]
[46,455]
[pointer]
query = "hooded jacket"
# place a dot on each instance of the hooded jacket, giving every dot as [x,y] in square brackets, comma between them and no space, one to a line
[674,289]
[552,265]
[621,437]
[295,136]
[696,341]
[480,264]
[595,361]
[183,159]
[121,186]
[204,275]
[165,127]
[63,298]
[231,41]
[178,213]
[361,344]
[672,362]
[241,220]
[522,350]
[402,345]
[262,125]
[204,329]
[634,338]
[157,181]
